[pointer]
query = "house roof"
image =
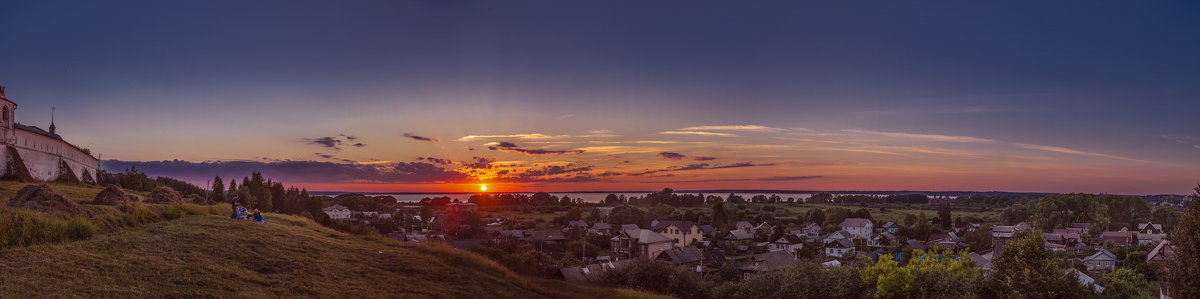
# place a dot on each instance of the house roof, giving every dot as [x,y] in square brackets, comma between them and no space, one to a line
[1052,237]
[591,273]
[1086,280]
[1052,245]
[790,239]
[1102,254]
[601,225]
[681,255]
[812,226]
[1117,237]
[335,207]
[578,223]
[841,243]
[544,235]
[645,236]
[660,225]
[890,224]
[739,235]
[770,261]
[916,245]
[841,234]
[741,224]
[855,222]
[1003,229]
[708,228]
[981,262]
[1067,234]
[1142,226]
[1163,252]
[629,226]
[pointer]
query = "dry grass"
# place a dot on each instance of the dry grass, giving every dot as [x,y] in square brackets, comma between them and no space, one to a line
[213,256]
[75,192]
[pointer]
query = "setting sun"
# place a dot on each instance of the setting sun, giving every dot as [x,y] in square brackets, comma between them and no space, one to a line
[483,187]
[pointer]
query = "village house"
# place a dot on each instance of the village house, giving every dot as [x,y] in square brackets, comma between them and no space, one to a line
[591,273]
[766,262]
[691,256]
[838,235]
[1003,231]
[577,224]
[764,231]
[1085,280]
[1083,227]
[1144,238]
[1054,247]
[1118,237]
[858,227]
[600,228]
[810,230]
[962,227]
[1102,260]
[629,226]
[890,227]
[545,237]
[683,232]
[745,226]
[982,263]
[1069,237]
[944,242]
[1161,254]
[736,237]
[1150,228]
[839,248]
[788,243]
[709,231]
[634,243]
[337,212]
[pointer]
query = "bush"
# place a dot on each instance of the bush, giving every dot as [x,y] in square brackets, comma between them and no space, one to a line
[81,229]
[20,228]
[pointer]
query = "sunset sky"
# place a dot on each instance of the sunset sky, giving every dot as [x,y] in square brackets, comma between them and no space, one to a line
[1095,96]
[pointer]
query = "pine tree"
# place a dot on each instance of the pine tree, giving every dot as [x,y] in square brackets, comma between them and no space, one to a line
[1184,271]
[218,190]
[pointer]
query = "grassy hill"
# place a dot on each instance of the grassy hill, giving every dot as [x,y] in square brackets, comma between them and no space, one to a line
[212,256]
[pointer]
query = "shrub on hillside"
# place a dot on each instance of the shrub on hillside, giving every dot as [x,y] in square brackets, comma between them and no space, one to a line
[42,198]
[164,195]
[20,228]
[113,195]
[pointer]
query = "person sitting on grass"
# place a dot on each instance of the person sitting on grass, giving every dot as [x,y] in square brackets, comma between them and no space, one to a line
[258,216]
[243,212]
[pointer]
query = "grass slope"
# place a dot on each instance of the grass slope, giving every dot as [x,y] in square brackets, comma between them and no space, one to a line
[213,256]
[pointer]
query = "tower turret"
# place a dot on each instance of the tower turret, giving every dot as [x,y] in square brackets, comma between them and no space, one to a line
[52,127]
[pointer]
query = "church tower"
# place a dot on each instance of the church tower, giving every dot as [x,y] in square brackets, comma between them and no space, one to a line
[8,119]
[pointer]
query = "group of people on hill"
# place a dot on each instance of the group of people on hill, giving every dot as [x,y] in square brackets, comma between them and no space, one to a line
[240,212]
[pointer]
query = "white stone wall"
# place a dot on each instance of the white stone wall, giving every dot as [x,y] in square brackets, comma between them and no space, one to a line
[41,155]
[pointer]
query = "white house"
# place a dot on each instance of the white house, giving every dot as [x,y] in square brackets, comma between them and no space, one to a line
[789,243]
[338,212]
[858,227]
[839,248]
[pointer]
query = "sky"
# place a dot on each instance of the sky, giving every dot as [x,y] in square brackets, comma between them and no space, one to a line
[438,96]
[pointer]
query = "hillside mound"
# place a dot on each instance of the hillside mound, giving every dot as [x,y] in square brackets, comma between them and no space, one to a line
[164,195]
[213,256]
[113,195]
[42,198]
[200,200]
